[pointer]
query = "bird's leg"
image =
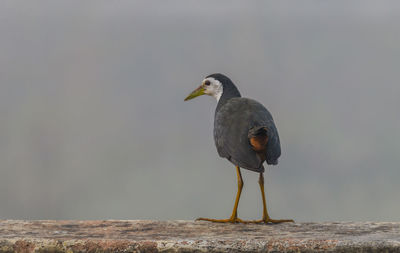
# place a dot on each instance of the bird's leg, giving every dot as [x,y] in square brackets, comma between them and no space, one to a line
[233,218]
[266,218]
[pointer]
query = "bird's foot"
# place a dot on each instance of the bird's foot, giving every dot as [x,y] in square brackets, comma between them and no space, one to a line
[268,220]
[230,220]
[237,220]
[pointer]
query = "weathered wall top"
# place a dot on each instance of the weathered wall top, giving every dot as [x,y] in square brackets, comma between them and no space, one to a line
[190,236]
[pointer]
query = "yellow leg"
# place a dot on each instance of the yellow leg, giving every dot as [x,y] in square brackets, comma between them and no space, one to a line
[233,218]
[266,218]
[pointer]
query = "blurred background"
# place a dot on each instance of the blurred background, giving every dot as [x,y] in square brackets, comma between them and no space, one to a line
[94,126]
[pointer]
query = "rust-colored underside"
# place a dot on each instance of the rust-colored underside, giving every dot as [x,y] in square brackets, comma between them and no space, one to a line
[259,145]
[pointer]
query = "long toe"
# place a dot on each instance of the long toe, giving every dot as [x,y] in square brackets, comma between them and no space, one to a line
[230,220]
[277,221]
[266,221]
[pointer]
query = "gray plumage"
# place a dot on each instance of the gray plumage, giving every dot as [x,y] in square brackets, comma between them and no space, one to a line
[236,120]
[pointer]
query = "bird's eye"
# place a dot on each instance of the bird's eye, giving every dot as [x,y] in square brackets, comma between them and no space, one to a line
[206,82]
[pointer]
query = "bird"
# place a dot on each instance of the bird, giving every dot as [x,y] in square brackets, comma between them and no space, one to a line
[245,134]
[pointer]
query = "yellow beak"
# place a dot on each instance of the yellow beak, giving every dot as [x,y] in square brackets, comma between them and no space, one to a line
[197,92]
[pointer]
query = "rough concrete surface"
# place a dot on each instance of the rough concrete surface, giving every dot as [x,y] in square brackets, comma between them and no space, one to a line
[199,236]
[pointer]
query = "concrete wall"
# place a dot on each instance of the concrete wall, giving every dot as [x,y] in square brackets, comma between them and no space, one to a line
[190,236]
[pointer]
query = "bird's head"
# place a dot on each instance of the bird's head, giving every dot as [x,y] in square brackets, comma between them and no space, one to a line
[211,85]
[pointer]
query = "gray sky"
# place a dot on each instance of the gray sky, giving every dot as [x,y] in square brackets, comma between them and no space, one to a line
[94,125]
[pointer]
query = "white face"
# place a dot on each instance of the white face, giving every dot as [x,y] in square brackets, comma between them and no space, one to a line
[212,87]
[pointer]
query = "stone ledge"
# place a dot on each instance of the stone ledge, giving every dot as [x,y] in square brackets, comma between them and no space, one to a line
[190,236]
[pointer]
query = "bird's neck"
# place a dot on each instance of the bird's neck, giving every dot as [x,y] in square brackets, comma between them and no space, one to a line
[228,92]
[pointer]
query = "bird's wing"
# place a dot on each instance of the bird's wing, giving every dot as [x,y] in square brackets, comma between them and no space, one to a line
[233,123]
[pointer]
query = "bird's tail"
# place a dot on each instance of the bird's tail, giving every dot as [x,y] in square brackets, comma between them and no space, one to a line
[272,161]
[257,131]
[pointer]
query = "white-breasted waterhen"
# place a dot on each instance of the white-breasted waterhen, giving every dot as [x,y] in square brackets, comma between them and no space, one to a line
[244,133]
